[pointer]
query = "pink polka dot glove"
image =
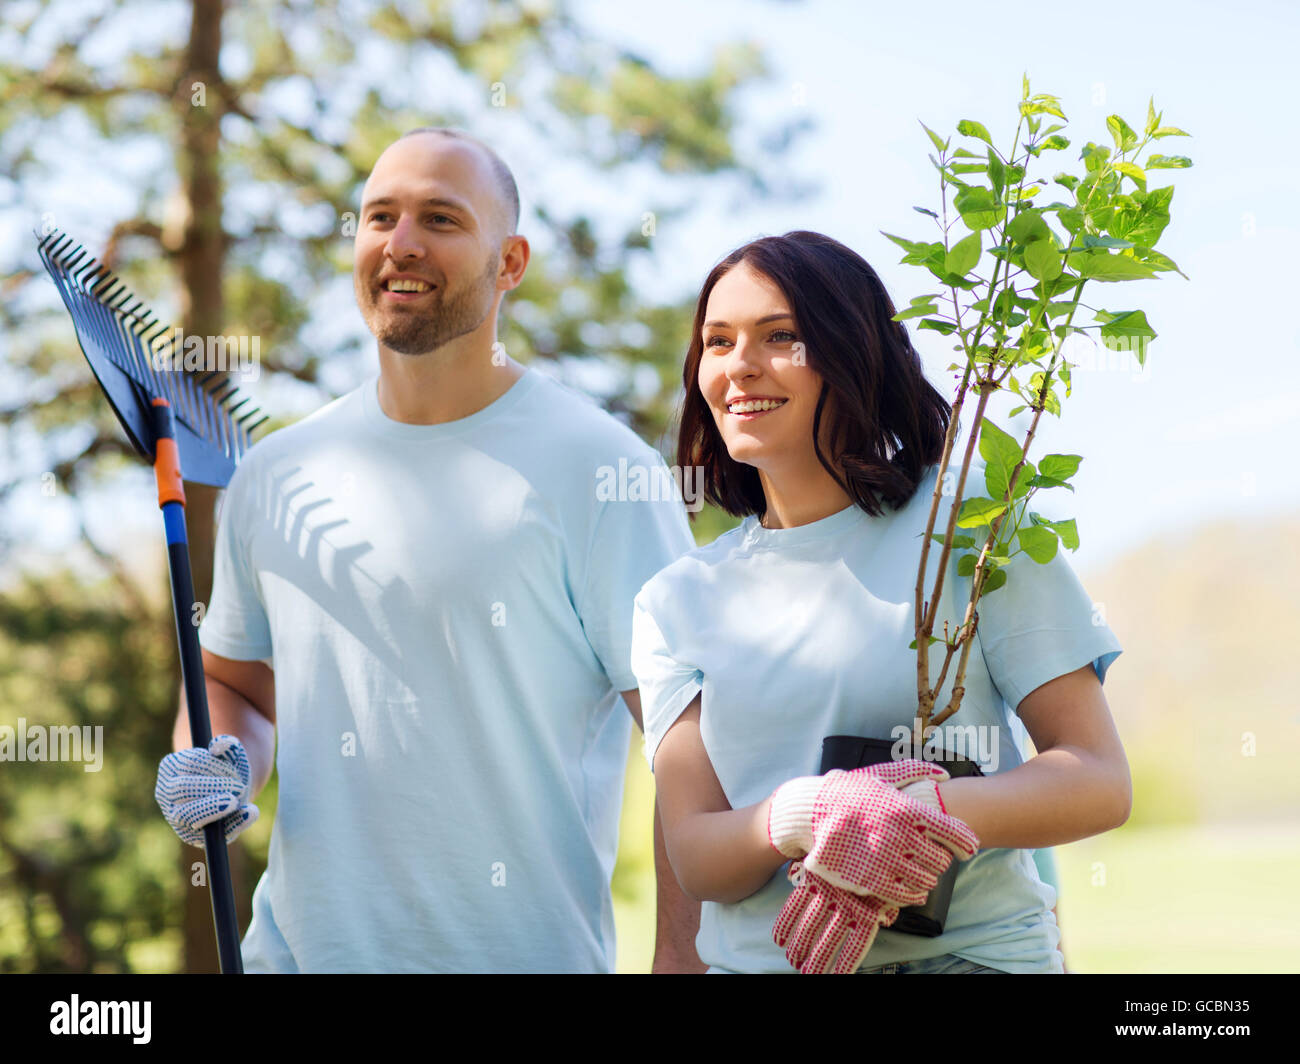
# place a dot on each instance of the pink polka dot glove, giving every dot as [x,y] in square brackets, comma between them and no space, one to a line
[858,831]
[826,930]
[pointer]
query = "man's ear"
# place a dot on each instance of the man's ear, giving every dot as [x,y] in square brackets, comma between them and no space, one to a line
[515,255]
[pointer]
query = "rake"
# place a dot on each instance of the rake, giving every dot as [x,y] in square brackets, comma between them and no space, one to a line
[175,421]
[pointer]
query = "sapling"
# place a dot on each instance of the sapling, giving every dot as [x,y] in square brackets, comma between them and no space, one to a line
[1016,321]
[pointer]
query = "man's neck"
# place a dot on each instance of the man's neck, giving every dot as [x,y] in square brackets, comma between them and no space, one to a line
[444,385]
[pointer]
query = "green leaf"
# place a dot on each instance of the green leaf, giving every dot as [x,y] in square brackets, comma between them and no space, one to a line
[966,565]
[1041,481]
[938,325]
[1103,267]
[997,173]
[1068,532]
[1141,217]
[1153,119]
[1042,260]
[915,312]
[1054,143]
[969,128]
[1126,323]
[1000,452]
[1168,131]
[933,639]
[978,207]
[1028,225]
[1121,133]
[1090,240]
[978,511]
[940,145]
[1038,542]
[958,542]
[926,210]
[1068,180]
[1135,172]
[1042,104]
[969,168]
[964,255]
[1168,162]
[1157,261]
[1059,466]
[993,581]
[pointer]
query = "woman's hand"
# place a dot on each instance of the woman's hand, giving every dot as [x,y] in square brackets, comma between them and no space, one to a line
[819,919]
[861,833]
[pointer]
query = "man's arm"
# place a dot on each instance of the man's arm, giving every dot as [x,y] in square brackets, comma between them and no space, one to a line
[241,702]
[677,917]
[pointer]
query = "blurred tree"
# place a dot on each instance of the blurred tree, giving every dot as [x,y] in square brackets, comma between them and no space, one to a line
[264,119]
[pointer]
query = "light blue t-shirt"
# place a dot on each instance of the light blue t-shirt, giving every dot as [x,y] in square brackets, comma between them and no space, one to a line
[796,634]
[448,609]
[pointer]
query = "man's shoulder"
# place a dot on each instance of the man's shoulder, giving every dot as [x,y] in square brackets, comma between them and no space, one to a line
[577,422]
[299,436]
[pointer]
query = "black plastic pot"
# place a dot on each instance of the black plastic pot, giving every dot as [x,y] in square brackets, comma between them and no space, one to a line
[850,752]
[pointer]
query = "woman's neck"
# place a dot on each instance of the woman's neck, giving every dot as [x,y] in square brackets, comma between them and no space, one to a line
[794,500]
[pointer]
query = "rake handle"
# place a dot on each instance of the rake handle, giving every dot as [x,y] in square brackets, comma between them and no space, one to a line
[171,498]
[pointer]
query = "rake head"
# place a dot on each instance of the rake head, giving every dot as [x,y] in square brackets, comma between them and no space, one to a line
[117,332]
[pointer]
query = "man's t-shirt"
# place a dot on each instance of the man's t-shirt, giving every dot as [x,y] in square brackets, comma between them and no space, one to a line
[448,609]
[791,635]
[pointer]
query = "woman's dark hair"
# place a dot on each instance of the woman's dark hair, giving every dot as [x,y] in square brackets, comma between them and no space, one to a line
[887,422]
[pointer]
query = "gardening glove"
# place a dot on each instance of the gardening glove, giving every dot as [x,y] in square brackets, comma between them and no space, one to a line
[197,786]
[858,831]
[818,918]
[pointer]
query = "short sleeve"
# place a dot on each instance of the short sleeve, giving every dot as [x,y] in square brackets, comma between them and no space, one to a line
[667,684]
[235,624]
[1045,861]
[1039,625]
[631,541]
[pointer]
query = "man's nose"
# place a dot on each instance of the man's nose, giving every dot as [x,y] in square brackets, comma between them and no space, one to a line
[402,241]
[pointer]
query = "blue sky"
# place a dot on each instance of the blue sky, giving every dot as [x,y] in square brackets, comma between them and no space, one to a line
[1202,432]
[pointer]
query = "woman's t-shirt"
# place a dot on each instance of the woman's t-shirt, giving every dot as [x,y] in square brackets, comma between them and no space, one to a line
[795,634]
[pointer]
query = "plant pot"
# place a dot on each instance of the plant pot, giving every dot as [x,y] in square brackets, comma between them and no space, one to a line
[850,752]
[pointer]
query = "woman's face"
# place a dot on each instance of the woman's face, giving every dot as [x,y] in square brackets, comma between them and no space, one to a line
[754,373]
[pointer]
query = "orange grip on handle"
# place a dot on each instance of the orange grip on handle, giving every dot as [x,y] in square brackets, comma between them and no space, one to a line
[167,466]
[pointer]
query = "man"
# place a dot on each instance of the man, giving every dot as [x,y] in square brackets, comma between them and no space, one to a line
[447,607]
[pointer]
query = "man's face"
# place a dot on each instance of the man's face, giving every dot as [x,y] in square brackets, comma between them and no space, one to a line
[429,213]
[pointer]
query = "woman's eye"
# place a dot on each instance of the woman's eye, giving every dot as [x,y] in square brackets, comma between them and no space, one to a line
[709,342]
[784,332]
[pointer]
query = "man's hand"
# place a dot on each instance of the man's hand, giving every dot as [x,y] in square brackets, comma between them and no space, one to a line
[197,786]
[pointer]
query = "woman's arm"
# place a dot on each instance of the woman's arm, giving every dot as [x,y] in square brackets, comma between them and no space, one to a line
[1078,785]
[717,853]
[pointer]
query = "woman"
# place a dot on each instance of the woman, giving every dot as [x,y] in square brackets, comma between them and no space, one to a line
[809,413]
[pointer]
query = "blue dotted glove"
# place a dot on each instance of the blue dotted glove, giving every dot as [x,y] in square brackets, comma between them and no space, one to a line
[196,787]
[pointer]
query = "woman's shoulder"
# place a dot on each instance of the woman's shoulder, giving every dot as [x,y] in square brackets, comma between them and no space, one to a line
[676,581]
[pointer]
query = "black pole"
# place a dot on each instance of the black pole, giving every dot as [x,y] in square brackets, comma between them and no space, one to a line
[167,468]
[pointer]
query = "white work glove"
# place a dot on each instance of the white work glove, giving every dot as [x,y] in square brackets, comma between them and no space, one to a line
[196,787]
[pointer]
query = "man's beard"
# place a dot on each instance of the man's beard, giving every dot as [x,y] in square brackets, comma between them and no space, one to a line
[411,332]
